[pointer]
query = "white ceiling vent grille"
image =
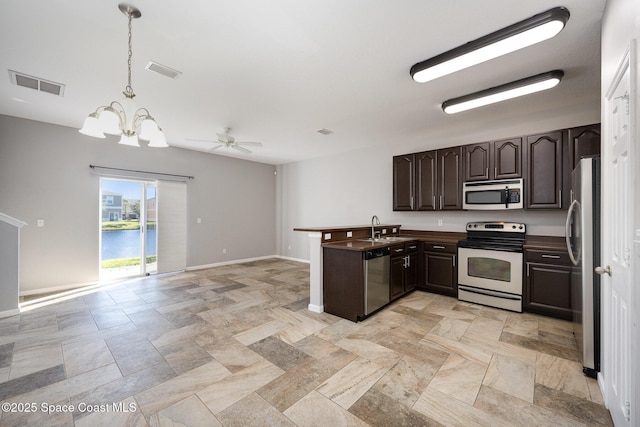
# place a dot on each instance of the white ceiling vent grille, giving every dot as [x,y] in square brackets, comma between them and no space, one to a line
[31,82]
[324,131]
[163,69]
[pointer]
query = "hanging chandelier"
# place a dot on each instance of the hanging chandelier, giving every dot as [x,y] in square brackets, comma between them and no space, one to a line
[124,117]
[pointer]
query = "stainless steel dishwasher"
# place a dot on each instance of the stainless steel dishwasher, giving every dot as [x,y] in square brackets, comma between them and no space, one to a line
[376,279]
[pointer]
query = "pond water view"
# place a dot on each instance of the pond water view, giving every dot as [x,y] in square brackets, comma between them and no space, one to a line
[126,243]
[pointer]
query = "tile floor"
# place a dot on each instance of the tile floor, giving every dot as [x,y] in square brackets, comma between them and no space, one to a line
[236,346]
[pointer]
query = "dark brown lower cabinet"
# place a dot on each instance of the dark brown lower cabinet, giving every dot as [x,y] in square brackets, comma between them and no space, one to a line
[547,285]
[404,269]
[343,283]
[439,269]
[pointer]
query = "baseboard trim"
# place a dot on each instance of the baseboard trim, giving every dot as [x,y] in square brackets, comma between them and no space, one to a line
[288,258]
[316,308]
[9,313]
[240,261]
[57,289]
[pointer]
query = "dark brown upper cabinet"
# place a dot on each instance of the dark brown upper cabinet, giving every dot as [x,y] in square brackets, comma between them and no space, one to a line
[584,141]
[493,160]
[427,181]
[449,169]
[403,182]
[543,180]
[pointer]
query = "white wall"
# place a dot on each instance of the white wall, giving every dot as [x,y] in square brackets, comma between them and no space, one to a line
[348,189]
[44,173]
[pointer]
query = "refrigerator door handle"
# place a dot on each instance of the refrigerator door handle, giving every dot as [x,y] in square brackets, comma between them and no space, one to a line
[567,231]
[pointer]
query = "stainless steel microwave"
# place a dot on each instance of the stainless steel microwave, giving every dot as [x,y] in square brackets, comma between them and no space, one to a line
[493,195]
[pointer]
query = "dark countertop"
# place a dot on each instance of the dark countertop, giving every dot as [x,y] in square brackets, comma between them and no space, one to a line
[550,243]
[406,235]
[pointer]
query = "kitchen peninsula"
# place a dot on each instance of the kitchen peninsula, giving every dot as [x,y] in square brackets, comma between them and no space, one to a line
[347,239]
[423,260]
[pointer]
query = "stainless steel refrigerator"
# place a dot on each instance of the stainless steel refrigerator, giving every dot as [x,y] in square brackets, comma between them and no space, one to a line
[583,243]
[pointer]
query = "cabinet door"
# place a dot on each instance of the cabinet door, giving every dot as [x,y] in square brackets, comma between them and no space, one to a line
[584,141]
[548,290]
[425,169]
[476,162]
[403,185]
[396,279]
[450,178]
[411,273]
[507,159]
[544,171]
[440,273]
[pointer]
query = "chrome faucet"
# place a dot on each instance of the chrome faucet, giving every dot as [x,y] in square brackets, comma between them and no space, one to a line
[374,221]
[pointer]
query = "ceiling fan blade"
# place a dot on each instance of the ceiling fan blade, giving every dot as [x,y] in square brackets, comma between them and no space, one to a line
[254,144]
[202,140]
[216,147]
[239,148]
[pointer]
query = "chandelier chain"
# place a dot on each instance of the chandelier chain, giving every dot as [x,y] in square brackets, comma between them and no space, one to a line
[129,89]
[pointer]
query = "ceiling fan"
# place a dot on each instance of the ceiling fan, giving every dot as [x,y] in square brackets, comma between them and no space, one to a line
[226,140]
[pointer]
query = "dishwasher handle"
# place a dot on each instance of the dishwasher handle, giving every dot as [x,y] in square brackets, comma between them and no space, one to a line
[377,253]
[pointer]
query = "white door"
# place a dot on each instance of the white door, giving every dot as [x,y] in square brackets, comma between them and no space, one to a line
[619,350]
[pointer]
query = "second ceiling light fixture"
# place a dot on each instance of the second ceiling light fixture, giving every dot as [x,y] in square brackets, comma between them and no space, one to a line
[525,33]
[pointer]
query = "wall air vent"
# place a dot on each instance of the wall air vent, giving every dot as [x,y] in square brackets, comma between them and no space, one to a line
[31,82]
[163,69]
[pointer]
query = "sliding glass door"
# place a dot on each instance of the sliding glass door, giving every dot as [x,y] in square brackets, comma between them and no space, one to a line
[128,227]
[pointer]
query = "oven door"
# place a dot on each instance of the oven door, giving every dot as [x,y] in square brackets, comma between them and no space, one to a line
[493,270]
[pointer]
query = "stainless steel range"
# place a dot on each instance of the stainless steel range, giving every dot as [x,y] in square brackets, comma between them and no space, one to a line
[490,264]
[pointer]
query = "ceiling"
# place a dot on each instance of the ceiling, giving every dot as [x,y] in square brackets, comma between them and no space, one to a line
[278,71]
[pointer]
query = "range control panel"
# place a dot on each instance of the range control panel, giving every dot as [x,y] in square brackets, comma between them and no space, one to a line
[497,226]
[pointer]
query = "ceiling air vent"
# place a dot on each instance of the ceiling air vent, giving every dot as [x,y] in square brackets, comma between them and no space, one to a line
[163,69]
[31,82]
[324,131]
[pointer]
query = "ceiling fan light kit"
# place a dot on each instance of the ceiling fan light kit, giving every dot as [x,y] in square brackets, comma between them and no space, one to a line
[525,33]
[503,92]
[124,117]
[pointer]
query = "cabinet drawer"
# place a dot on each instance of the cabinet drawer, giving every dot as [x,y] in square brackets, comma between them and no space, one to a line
[547,257]
[439,247]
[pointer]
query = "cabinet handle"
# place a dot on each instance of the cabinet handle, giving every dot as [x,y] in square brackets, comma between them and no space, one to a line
[411,202]
[434,203]
[560,198]
[495,173]
[528,265]
[551,256]
[398,250]
[487,173]
[438,247]
[441,202]
[412,247]
[454,260]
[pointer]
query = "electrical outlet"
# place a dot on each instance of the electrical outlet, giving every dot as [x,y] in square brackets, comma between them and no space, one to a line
[224,251]
[440,222]
[349,233]
[199,220]
[327,236]
[40,222]
[384,231]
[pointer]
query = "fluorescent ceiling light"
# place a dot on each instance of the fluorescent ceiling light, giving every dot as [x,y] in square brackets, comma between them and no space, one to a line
[506,40]
[521,87]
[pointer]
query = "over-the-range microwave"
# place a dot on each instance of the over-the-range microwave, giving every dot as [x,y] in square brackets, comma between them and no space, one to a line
[493,195]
